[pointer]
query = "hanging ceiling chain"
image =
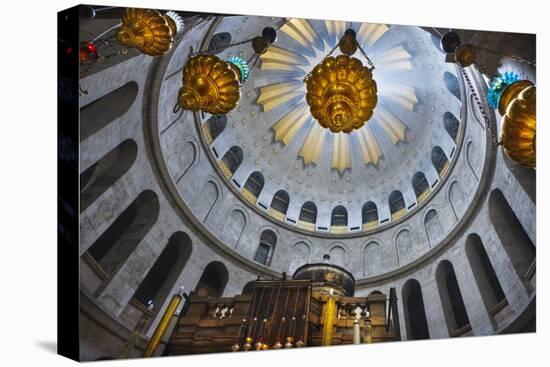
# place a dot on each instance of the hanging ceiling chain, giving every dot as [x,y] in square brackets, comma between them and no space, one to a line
[481,109]
[329,54]
[369,61]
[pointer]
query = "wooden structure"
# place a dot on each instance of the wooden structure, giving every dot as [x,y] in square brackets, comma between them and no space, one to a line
[316,307]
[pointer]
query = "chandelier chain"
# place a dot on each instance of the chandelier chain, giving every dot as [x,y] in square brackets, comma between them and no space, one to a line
[369,61]
[306,78]
[367,58]
[481,109]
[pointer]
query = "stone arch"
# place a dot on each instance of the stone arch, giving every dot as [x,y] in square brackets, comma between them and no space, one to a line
[472,158]
[451,83]
[457,199]
[280,201]
[338,255]
[372,258]
[234,227]
[451,298]
[163,275]
[405,246]
[215,125]
[266,247]
[213,279]
[420,186]
[484,273]
[375,293]
[299,256]
[185,154]
[209,196]
[439,160]
[416,324]
[397,206]
[517,244]
[526,177]
[219,42]
[451,124]
[369,213]
[111,250]
[106,109]
[339,217]
[232,160]
[434,229]
[308,213]
[103,174]
[254,186]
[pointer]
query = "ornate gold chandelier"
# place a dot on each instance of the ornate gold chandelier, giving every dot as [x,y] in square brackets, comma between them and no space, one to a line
[213,85]
[517,105]
[210,84]
[150,31]
[341,92]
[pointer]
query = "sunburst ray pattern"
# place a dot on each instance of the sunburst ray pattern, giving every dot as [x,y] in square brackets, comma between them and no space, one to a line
[280,83]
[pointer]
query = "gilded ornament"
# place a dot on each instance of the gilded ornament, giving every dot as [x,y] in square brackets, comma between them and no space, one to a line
[465,55]
[517,105]
[341,94]
[348,42]
[260,45]
[147,30]
[210,85]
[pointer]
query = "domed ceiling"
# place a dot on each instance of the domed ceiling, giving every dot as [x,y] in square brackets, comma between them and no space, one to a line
[276,145]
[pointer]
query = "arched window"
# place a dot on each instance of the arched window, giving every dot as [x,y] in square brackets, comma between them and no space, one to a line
[219,42]
[484,274]
[519,247]
[440,161]
[397,205]
[280,201]
[106,109]
[215,125]
[231,161]
[339,219]
[308,215]
[451,124]
[214,279]
[434,229]
[421,187]
[451,299]
[526,176]
[119,241]
[369,215]
[97,178]
[160,280]
[299,256]
[416,323]
[268,240]
[451,82]
[253,187]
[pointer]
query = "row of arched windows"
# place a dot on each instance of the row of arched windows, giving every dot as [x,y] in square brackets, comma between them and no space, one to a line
[339,217]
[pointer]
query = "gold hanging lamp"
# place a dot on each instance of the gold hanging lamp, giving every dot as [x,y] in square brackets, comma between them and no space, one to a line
[341,92]
[210,85]
[150,31]
[517,105]
[213,85]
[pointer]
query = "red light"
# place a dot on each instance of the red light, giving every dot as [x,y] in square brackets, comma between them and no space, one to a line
[91,48]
